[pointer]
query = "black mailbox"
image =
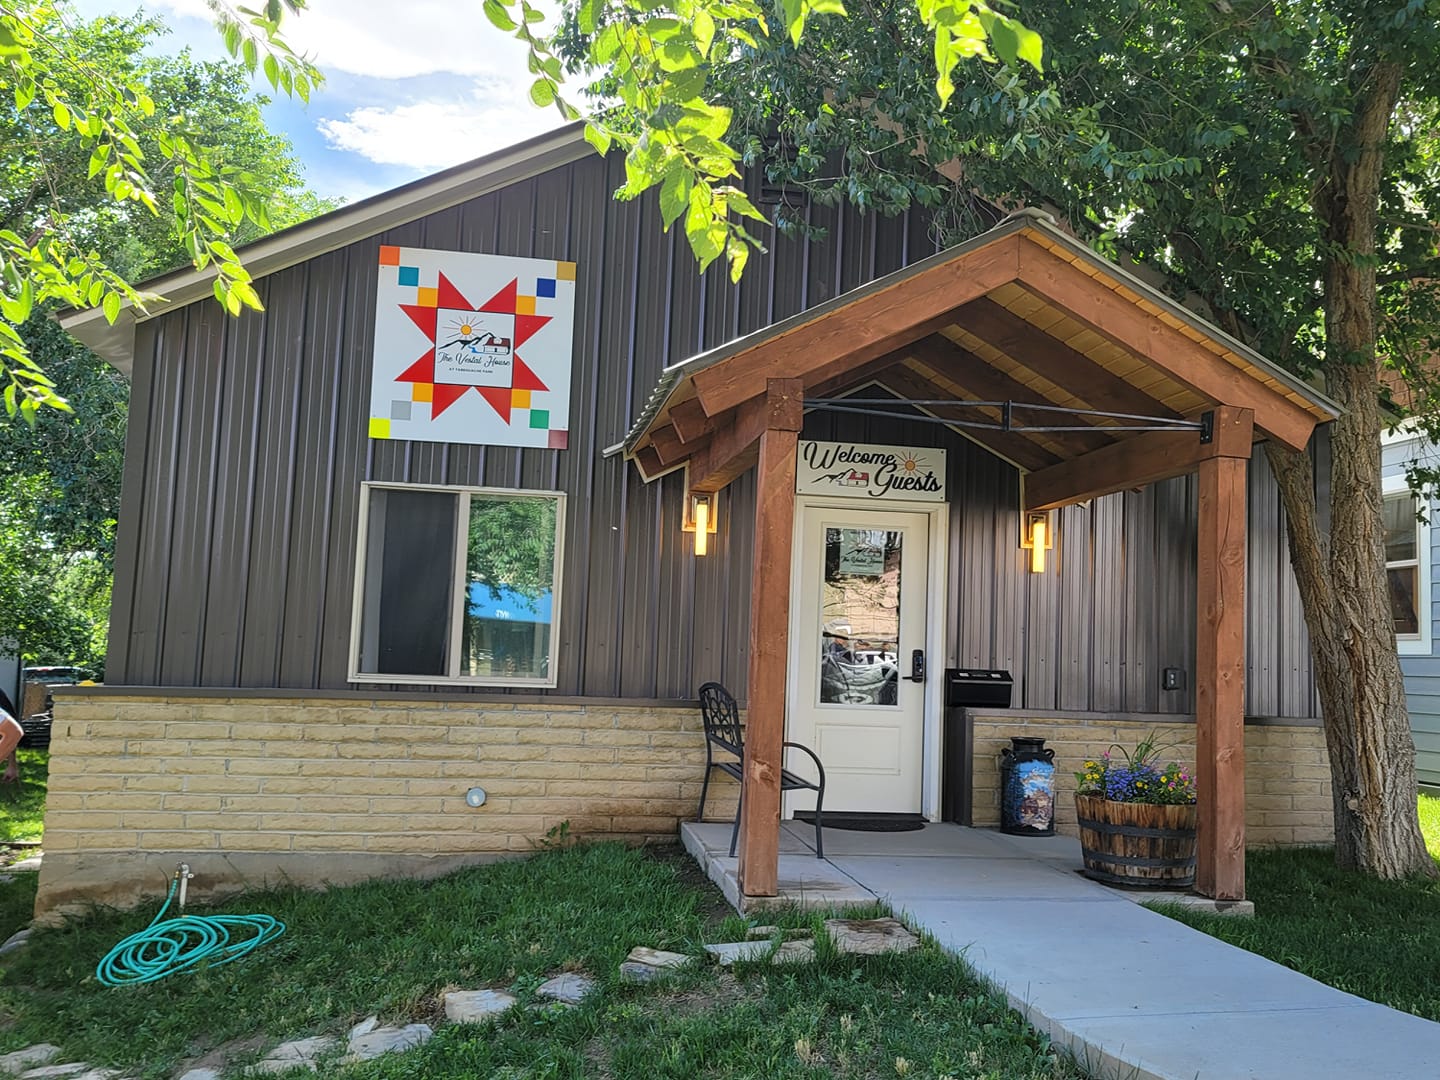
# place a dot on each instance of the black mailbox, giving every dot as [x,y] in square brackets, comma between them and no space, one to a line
[977,688]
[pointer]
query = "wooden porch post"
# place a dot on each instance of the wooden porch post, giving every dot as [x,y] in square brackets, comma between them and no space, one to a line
[769,637]
[1220,658]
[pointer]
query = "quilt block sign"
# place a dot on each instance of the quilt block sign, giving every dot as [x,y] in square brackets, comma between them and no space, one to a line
[472,349]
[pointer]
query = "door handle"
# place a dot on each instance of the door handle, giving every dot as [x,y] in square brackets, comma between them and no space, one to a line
[917,666]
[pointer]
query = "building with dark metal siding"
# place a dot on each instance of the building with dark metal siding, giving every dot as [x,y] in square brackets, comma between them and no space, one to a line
[230,696]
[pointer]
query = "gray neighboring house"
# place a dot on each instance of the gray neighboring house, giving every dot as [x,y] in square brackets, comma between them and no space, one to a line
[1410,543]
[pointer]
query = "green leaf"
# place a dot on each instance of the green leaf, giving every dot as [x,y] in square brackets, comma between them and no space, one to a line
[675,193]
[542,93]
[498,16]
[599,138]
[62,114]
[111,307]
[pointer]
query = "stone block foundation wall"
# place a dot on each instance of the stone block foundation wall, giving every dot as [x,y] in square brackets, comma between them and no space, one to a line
[1287,770]
[263,790]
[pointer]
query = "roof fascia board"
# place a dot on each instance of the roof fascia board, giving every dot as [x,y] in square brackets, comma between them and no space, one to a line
[332,231]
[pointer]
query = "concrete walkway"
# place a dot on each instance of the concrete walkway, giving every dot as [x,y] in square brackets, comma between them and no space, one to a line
[1132,993]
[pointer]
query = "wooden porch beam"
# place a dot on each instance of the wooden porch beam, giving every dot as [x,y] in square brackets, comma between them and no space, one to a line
[986,383]
[860,330]
[1031,347]
[1186,361]
[689,420]
[1013,447]
[668,445]
[759,862]
[1138,461]
[735,445]
[1220,678]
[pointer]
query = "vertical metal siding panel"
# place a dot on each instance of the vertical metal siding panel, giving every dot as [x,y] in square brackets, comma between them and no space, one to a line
[270,533]
[130,530]
[741,544]
[347,469]
[1175,567]
[299,660]
[974,568]
[641,599]
[788,260]
[237,401]
[1144,614]
[1262,591]
[1107,646]
[608,522]
[585,221]
[1041,686]
[1010,569]
[152,575]
[194,509]
[821,280]
[1077,605]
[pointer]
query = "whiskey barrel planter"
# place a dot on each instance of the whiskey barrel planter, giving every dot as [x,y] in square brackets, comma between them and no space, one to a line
[1137,843]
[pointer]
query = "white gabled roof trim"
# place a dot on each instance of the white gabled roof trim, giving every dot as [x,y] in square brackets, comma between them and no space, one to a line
[331,231]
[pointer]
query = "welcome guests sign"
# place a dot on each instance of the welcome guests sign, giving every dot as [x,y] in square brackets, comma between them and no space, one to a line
[865,471]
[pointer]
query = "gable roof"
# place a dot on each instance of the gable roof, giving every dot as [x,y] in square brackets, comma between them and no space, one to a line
[358,221]
[1023,313]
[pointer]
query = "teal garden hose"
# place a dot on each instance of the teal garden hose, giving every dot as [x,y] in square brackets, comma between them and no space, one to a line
[163,948]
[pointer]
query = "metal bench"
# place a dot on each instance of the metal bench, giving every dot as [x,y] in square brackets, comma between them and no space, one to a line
[724,731]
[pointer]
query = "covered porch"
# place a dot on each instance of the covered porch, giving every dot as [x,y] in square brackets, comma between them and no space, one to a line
[1062,364]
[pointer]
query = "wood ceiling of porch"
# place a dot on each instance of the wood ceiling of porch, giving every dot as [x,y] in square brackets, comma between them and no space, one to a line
[1022,314]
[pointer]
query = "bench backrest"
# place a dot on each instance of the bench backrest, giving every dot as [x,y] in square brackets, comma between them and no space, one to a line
[722,718]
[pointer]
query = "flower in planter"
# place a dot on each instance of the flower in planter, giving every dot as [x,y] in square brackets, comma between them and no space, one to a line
[1139,779]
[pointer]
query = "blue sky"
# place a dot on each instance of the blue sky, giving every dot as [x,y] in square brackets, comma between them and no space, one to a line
[410,88]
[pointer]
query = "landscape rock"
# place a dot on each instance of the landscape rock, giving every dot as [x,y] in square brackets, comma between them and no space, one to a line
[729,952]
[646,965]
[386,1040]
[55,1072]
[201,1074]
[794,952]
[641,973]
[364,1027]
[657,958]
[296,1053]
[569,989]
[790,952]
[40,1054]
[15,941]
[870,937]
[477,1006]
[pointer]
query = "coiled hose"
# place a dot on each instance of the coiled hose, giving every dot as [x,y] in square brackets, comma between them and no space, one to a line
[183,942]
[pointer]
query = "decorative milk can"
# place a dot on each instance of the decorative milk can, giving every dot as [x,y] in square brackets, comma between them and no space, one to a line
[1027,788]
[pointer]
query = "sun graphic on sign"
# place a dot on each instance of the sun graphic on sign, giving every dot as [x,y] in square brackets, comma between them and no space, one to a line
[909,463]
[517,380]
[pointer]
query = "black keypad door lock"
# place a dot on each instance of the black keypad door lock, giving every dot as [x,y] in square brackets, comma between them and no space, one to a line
[917,666]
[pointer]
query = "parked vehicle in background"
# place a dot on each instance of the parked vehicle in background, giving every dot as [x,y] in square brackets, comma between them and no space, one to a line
[37,702]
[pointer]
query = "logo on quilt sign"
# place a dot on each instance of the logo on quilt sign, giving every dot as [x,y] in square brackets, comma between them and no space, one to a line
[472,349]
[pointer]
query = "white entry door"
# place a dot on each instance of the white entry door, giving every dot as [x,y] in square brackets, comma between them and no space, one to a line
[859,617]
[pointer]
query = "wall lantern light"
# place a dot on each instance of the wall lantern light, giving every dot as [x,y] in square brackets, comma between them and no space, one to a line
[701,519]
[1037,536]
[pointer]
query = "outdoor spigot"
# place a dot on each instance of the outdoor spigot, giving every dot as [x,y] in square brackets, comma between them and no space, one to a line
[183,876]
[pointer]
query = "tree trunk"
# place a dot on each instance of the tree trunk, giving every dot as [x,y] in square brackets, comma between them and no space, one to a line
[1343,584]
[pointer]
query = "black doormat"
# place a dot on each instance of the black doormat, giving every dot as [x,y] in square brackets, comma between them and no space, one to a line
[864,822]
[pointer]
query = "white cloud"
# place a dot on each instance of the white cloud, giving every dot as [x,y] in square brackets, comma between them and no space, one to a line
[434,134]
[393,41]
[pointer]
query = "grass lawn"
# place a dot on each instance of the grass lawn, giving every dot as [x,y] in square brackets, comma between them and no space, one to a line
[22,810]
[393,948]
[1377,939]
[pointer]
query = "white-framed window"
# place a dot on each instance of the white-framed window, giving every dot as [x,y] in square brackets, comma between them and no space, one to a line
[457,585]
[1407,567]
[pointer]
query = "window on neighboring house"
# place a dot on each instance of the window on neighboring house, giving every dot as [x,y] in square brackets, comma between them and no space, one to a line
[457,584]
[1402,562]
